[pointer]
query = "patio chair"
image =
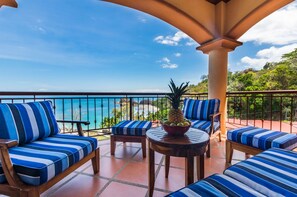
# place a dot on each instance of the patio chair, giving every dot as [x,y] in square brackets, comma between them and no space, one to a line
[205,116]
[34,156]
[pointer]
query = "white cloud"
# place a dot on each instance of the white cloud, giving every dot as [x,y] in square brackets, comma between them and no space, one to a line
[175,39]
[170,66]
[279,28]
[165,60]
[177,54]
[166,63]
[272,54]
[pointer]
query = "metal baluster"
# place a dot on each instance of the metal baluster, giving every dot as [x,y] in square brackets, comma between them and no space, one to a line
[281,113]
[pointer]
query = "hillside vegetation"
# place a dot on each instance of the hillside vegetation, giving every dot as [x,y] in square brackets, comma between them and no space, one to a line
[274,76]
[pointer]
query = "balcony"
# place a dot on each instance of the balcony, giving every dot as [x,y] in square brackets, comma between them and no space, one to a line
[126,173]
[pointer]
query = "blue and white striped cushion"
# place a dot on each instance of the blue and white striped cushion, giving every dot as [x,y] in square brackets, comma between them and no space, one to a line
[200,109]
[205,125]
[216,185]
[262,138]
[272,172]
[128,127]
[39,161]
[27,122]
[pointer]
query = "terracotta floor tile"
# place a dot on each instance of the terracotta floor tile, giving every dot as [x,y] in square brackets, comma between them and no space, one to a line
[138,157]
[115,189]
[104,142]
[159,194]
[81,185]
[124,152]
[83,167]
[104,149]
[214,165]
[238,155]
[217,152]
[135,172]
[176,179]
[133,144]
[57,185]
[178,162]
[109,166]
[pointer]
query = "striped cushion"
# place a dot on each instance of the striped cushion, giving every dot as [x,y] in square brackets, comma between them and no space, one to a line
[200,109]
[262,138]
[216,185]
[205,125]
[272,172]
[39,161]
[27,122]
[128,127]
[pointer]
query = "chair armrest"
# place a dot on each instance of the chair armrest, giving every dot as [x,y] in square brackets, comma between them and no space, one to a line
[212,116]
[78,125]
[8,143]
[7,166]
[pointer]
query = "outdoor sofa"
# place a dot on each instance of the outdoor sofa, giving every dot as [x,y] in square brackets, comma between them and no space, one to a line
[34,155]
[270,173]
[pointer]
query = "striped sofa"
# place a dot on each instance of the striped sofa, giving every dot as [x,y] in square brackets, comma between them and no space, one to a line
[270,173]
[204,115]
[34,155]
[253,140]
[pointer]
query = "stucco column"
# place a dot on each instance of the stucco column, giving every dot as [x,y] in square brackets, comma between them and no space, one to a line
[217,80]
[217,51]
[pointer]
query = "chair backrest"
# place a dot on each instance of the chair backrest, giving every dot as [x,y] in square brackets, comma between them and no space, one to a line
[27,122]
[200,109]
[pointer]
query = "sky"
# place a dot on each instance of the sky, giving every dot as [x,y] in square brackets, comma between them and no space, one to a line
[91,45]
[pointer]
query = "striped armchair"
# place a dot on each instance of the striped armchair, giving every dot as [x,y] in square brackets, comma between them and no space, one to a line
[34,155]
[204,115]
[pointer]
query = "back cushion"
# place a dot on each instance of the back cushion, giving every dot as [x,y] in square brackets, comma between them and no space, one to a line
[200,109]
[27,122]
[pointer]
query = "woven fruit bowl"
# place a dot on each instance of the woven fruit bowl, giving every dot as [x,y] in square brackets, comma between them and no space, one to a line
[176,130]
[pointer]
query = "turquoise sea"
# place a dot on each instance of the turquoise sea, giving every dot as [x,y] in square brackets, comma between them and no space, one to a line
[96,109]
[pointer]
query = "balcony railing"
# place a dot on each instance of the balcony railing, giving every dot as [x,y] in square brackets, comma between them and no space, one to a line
[269,109]
[275,110]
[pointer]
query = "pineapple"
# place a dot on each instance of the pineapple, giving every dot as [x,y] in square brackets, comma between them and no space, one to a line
[175,114]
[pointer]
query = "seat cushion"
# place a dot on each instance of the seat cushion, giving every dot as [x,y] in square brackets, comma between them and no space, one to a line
[262,138]
[39,161]
[205,125]
[131,127]
[272,172]
[27,122]
[200,109]
[216,185]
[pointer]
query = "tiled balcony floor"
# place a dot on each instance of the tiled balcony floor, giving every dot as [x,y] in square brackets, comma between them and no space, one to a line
[126,173]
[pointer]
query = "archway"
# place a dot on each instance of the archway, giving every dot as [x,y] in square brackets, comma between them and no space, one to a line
[215,25]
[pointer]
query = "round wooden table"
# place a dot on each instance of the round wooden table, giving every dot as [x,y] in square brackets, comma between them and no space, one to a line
[193,143]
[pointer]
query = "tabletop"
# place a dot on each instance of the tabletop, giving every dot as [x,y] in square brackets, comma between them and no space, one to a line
[193,142]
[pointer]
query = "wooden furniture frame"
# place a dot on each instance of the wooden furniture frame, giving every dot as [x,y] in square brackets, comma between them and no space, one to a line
[230,146]
[193,143]
[212,134]
[15,187]
[127,138]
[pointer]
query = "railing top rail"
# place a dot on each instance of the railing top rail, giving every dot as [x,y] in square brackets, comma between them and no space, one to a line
[11,93]
[78,93]
[264,92]
[22,93]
